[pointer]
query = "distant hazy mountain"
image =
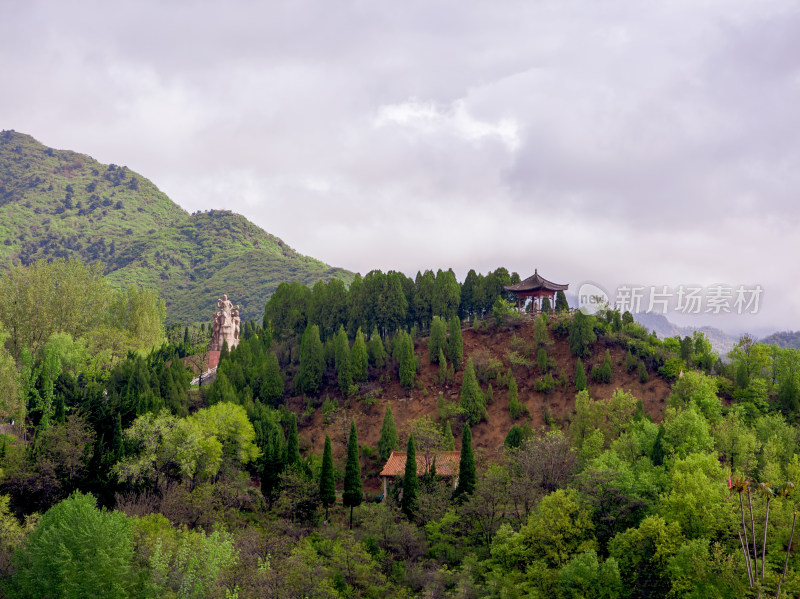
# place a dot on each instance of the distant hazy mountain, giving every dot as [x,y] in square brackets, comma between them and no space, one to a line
[56,203]
[720,340]
[787,339]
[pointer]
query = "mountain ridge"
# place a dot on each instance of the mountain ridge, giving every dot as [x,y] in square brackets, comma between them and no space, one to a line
[62,204]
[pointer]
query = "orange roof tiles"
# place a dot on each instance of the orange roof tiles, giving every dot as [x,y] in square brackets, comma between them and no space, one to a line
[447,463]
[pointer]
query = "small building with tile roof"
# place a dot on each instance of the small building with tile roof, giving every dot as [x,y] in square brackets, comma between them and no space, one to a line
[536,287]
[447,465]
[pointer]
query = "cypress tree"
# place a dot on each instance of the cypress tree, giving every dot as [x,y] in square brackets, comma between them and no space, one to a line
[408,364]
[541,359]
[377,353]
[472,401]
[272,385]
[466,468]
[437,340]
[515,437]
[352,495]
[343,365]
[224,353]
[442,367]
[272,463]
[448,442]
[292,458]
[359,358]
[410,481]
[546,307]
[388,440]
[580,376]
[561,302]
[455,343]
[514,405]
[327,484]
[581,335]
[312,361]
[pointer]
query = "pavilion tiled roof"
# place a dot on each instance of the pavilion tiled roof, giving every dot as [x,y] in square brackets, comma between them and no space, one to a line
[536,282]
[447,464]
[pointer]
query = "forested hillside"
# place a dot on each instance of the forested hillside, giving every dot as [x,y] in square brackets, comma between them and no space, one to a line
[61,204]
[595,460]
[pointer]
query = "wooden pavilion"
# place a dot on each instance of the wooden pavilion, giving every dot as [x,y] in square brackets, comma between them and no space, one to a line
[536,287]
[447,465]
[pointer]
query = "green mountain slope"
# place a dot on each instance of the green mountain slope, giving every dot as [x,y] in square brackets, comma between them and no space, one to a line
[56,203]
[785,339]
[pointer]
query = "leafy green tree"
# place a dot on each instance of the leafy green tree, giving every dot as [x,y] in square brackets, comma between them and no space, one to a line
[164,447]
[686,431]
[182,562]
[561,302]
[77,551]
[64,296]
[581,335]
[140,313]
[466,468]
[587,576]
[344,370]
[388,438]
[327,484]
[472,400]
[580,375]
[644,553]
[353,495]
[438,339]
[455,342]
[409,501]
[312,362]
[360,358]
[560,528]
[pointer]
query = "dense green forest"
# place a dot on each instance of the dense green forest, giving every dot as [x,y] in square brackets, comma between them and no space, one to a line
[118,478]
[61,204]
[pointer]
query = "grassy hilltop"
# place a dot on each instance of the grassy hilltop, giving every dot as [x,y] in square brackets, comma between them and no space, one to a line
[58,203]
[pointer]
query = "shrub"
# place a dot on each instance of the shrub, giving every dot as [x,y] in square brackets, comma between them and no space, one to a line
[547,384]
[644,376]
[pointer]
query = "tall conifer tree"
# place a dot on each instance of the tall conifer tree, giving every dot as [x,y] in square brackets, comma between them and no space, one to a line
[353,494]
[466,468]
[312,362]
[580,375]
[388,439]
[410,481]
[359,358]
[472,399]
[327,484]
[455,343]
[344,370]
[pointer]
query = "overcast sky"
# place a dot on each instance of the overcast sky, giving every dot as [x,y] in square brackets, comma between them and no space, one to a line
[649,143]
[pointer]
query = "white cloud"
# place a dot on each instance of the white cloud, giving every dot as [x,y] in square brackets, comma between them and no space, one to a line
[427,119]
